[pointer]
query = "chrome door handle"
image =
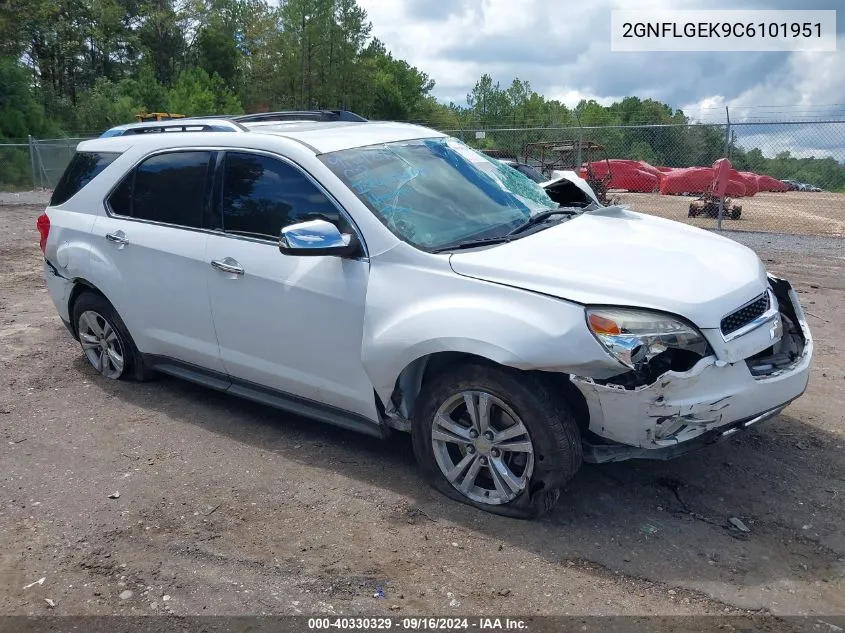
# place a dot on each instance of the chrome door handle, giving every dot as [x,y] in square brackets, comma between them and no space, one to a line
[228,265]
[118,237]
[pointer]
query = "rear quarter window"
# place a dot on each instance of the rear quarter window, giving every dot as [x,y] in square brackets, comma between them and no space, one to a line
[83,168]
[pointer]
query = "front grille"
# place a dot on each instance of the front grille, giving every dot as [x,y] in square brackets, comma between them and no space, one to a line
[746,314]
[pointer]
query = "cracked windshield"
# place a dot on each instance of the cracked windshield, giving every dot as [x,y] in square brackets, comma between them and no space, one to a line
[437,192]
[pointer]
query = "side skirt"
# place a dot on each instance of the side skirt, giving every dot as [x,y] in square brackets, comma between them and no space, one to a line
[267,396]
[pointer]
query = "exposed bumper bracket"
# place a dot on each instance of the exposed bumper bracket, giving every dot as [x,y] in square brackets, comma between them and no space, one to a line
[615,452]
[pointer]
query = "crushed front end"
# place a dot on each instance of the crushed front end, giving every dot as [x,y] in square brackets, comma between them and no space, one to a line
[757,362]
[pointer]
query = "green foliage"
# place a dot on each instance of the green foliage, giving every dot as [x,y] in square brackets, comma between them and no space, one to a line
[15,169]
[146,92]
[21,113]
[161,40]
[104,105]
[633,128]
[824,172]
[84,65]
[195,93]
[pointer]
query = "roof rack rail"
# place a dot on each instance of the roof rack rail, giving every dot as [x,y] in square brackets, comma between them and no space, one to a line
[200,124]
[229,123]
[300,115]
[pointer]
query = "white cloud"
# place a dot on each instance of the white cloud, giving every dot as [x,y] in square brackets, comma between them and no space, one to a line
[563,49]
[572,96]
[809,85]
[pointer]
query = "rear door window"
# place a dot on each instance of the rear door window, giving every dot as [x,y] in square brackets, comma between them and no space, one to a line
[168,188]
[81,170]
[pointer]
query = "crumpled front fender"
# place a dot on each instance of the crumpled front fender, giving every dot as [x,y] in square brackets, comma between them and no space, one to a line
[414,310]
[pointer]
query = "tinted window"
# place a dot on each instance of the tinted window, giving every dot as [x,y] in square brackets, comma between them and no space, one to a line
[167,188]
[81,170]
[261,195]
[120,201]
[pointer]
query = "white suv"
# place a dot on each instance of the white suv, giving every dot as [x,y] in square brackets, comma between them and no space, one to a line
[384,276]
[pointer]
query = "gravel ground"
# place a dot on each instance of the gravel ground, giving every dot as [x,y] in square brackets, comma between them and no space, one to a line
[38,197]
[813,245]
[802,212]
[228,507]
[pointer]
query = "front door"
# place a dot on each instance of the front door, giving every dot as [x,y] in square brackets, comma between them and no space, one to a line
[288,323]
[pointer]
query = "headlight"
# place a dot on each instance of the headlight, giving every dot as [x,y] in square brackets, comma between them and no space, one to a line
[634,337]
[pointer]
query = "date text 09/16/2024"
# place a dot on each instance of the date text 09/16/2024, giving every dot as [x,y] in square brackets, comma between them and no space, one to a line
[418,624]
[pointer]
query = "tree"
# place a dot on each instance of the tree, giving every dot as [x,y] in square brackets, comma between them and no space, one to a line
[146,92]
[20,115]
[217,52]
[20,112]
[196,93]
[84,65]
[103,106]
[487,101]
[161,39]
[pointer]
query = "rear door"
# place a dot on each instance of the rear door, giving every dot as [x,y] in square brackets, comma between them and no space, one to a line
[150,248]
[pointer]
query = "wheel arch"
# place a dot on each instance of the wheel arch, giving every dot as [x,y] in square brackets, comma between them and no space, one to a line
[80,285]
[409,382]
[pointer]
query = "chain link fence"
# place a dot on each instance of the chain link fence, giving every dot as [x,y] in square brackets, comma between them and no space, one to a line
[50,157]
[35,163]
[789,176]
[15,166]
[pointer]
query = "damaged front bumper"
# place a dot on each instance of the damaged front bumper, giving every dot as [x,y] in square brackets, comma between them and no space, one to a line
[718,397]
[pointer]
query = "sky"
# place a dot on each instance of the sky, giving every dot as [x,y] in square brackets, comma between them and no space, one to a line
[562,47]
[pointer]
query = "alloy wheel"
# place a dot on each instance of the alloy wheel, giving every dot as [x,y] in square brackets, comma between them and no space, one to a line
[101,345]
[482,447]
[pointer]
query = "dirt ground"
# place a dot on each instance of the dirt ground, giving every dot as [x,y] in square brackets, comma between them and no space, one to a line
[228,507]
[800,212]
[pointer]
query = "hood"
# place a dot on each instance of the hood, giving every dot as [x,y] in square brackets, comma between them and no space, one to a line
[560,175]
[613,256]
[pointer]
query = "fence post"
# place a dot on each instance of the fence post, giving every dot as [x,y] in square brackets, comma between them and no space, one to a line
[727,152]
[579,156]
[32,159]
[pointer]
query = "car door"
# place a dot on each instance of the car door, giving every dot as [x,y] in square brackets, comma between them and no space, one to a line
[293,324]
[150,256]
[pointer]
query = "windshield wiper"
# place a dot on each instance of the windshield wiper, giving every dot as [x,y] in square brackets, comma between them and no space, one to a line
[512,235]
[483,241]
[541,217]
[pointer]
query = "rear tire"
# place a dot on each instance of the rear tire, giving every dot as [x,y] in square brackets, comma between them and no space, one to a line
[105,341]
[514,459]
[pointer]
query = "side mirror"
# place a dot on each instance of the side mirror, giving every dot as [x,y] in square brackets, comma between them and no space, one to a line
[317,238]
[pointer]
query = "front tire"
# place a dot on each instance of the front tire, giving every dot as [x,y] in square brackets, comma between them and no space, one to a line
[495,438]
